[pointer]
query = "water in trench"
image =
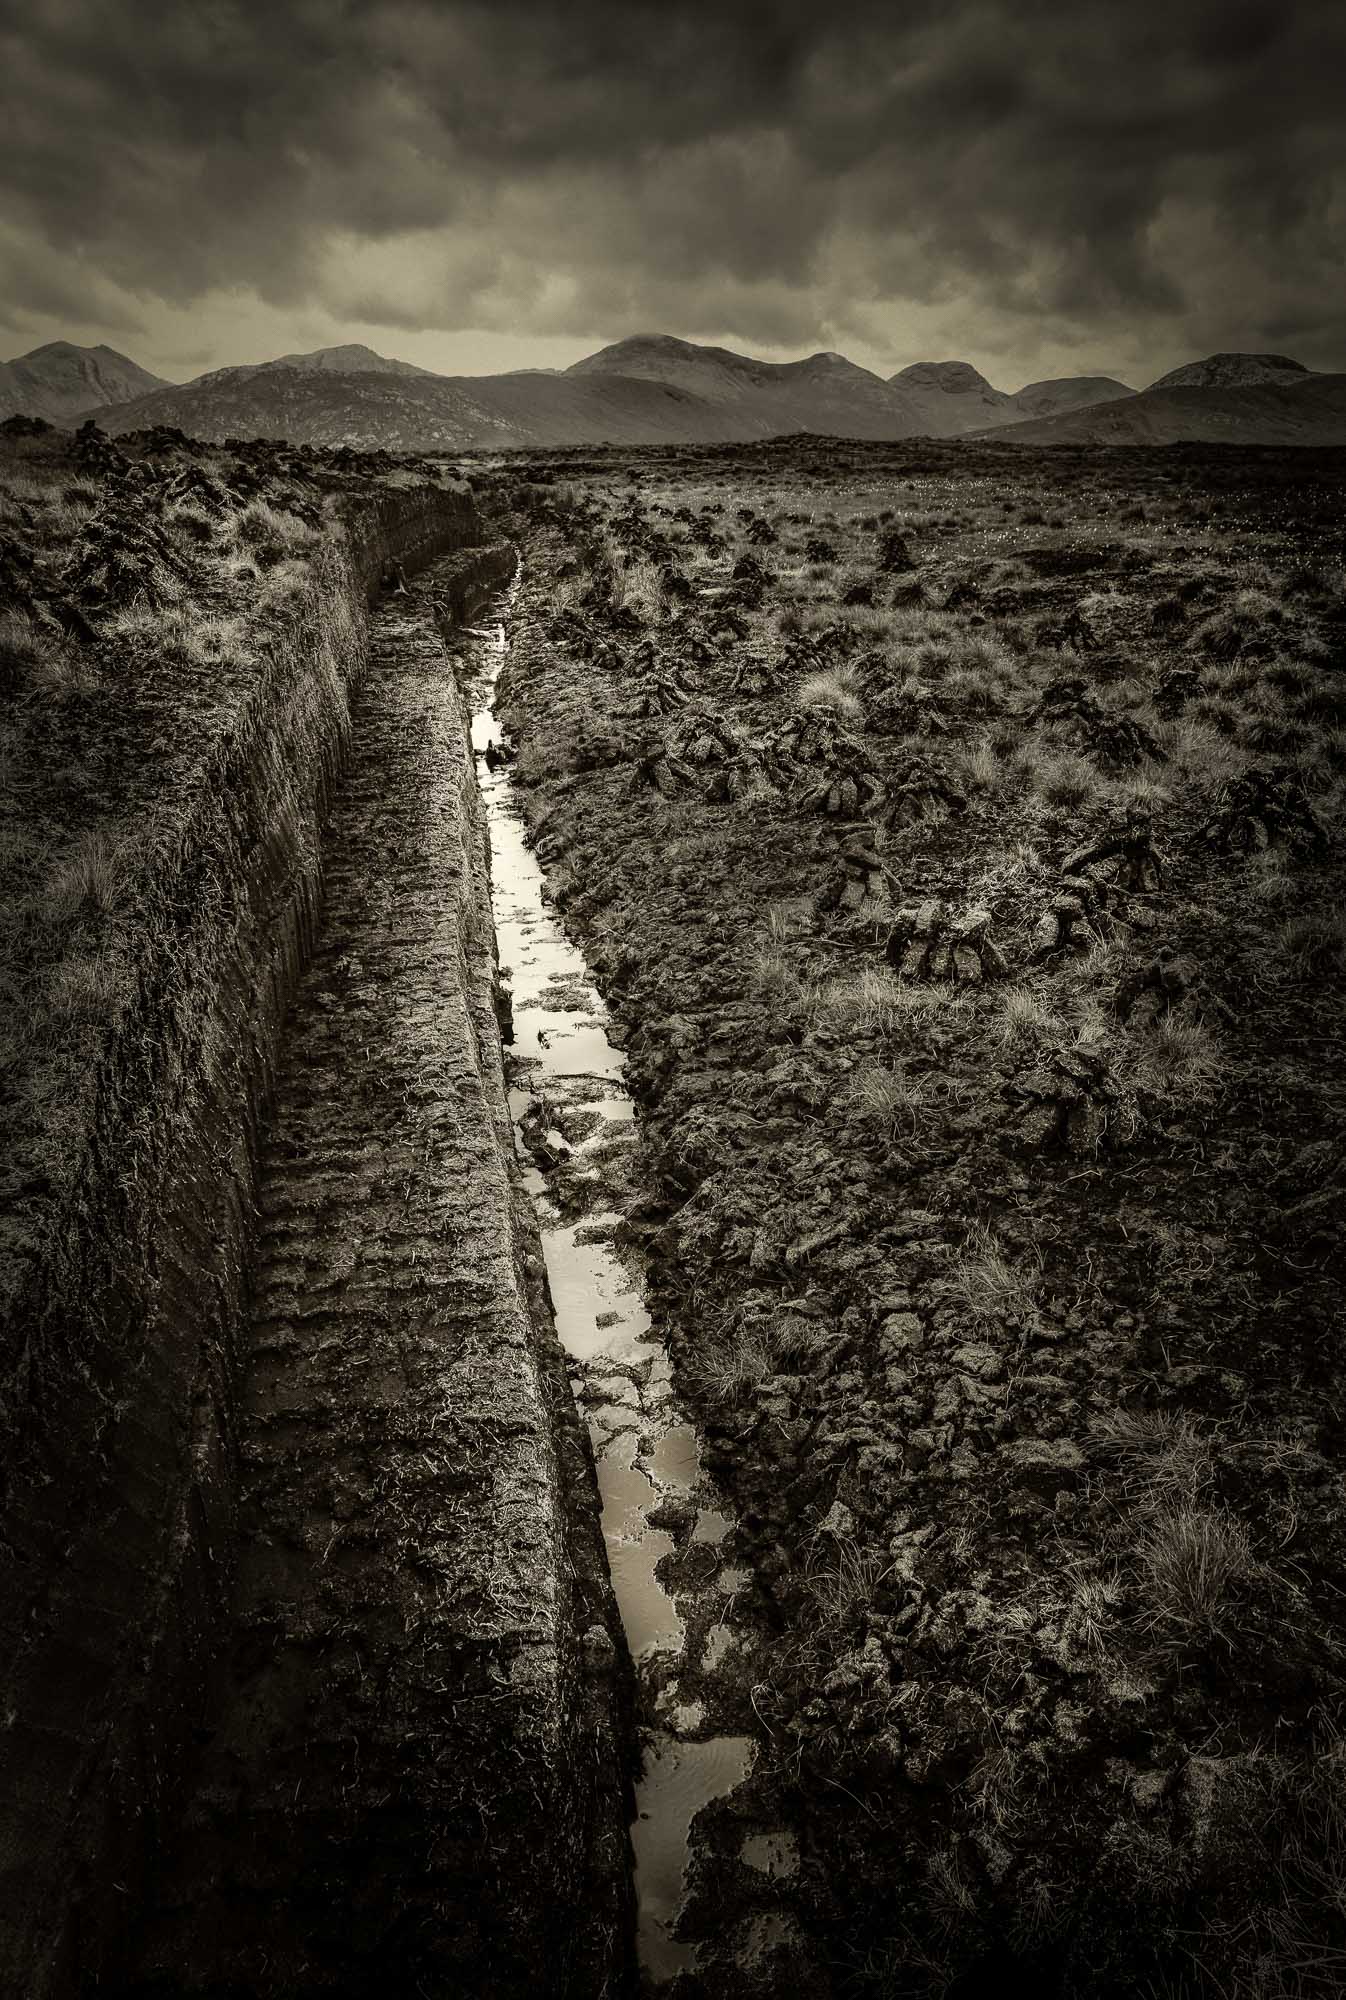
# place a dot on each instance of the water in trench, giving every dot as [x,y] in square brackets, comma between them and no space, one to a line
[573,1120]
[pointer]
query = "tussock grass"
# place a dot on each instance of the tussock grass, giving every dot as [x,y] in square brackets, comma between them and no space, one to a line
[835,689]
[22,641]
[1312,945]
[983,768]
[186,634]
[774,978]
[1093,1614]
[1247,623]
[872,623]
[1140,791]
[914,1009]
[1178,1061]
[876,1002]
[866,1004]
[1269,880]
[1163,1460]
[841,1576]
[1024,1014]
[636,588]
[91,878]
[728,1370]
[1194,1565]
[889,1097]
[980,673]
[569,592]
[1201,753]
[949,1895]
[35,663]
[1062,777]
[989,1285]
[61,513]
[262,527]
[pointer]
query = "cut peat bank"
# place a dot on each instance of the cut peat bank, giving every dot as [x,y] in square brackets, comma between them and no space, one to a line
[300,1535]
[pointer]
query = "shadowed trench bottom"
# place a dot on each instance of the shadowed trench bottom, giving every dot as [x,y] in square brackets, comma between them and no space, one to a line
[571,1112]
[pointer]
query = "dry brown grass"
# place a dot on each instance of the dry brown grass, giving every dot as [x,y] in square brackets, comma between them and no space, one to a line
[834,689]
[989,1285]
[889,1097]
[1163,1459]
[1194,1564]
[728,1370]
[841,1575]
[1062,778]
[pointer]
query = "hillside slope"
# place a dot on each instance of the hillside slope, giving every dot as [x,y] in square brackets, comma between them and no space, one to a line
[824,393]
[1309,413]
[956,400]
[653,389]
[1066,392]
[61,381]
[351,359]
[953,397]
[369,410]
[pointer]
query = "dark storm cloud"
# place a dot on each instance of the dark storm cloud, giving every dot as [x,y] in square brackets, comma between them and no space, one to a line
[764,168]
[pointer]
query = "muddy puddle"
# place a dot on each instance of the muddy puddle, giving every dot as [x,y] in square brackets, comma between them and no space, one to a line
[575,1129]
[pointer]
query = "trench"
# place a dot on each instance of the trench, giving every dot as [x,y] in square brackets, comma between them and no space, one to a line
[576,1138]
[409,1771]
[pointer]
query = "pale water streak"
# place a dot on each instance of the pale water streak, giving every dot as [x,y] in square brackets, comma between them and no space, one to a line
[567,1073]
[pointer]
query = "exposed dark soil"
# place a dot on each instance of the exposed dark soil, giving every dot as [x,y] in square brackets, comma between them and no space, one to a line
[958,844]
[299,1554]
[404,1702]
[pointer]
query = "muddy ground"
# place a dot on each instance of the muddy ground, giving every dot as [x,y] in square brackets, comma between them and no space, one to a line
[955,836]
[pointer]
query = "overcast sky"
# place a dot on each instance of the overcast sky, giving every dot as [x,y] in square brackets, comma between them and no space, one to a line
[1041,187]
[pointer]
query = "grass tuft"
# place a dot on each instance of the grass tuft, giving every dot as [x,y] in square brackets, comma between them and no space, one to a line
[990,1287]
[1194,1563]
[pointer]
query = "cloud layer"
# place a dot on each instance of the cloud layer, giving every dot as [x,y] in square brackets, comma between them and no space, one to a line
[1035,184]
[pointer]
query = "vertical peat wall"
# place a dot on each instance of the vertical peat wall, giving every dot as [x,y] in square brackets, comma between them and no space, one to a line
[123,1292]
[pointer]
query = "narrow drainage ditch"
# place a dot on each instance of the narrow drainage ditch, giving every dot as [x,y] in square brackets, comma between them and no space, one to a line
[575,1133]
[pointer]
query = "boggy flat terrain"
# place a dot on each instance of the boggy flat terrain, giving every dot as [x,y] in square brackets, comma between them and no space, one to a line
[957,838]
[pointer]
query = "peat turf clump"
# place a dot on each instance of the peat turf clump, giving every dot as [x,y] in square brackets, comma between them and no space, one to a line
[1115,742]
[1266,808]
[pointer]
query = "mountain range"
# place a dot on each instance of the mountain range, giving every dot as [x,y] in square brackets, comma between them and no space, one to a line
[654,389]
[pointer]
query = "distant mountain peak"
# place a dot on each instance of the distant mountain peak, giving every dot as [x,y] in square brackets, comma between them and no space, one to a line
[351,359]
[824,392]
[64,348]
[955,378]
[59,381]
[828,362]
[1067,392]
[635,346]
[1234,371]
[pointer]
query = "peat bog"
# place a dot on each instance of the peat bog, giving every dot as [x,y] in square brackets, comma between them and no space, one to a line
[897,1078]
[955,836]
